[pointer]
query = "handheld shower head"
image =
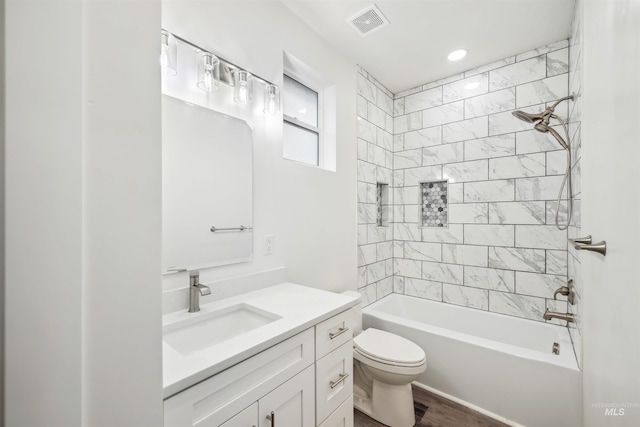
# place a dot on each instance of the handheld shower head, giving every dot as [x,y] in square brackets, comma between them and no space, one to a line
[544,128]
[541,127]
[541,124]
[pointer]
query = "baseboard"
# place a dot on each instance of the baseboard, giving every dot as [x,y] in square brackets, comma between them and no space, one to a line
[468,405]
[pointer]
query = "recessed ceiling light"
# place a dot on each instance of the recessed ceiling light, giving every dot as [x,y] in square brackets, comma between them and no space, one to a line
[457,55]
[472,85]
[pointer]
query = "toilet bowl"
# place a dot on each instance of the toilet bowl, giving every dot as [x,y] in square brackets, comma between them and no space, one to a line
[385,364]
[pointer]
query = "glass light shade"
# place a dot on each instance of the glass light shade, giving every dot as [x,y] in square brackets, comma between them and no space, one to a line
[271,99]
[208,72]
[243,87]
[168,54]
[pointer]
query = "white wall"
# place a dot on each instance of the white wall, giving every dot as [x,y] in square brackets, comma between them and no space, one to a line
[83,214]
[310,211]
[2,205]
[122,372]
[611,210]
[43,214]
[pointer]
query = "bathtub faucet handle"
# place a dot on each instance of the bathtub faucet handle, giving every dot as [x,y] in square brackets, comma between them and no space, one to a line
[568,291]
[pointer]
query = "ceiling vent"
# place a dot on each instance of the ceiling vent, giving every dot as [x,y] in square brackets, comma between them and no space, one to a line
[368,21]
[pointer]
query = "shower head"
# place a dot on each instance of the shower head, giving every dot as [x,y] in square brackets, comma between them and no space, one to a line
[543,116]
[542,119]
[528,117]
[540,123]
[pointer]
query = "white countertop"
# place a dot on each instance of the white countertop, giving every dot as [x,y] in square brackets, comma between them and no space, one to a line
[300,307]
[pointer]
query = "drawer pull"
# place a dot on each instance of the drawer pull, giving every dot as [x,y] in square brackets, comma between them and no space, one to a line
[272,417]
[341,378]
[341,331]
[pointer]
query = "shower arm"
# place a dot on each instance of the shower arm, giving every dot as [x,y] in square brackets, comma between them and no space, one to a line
[559,101]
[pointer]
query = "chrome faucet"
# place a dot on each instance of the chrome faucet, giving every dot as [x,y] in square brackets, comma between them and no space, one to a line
[195,290]
[548,315]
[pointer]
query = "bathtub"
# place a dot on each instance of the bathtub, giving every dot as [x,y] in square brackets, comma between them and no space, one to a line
[499,365]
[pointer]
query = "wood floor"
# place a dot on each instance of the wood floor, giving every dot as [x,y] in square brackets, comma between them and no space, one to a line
[435,411]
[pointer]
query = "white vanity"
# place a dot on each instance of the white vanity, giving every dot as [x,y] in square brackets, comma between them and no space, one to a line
[279,356]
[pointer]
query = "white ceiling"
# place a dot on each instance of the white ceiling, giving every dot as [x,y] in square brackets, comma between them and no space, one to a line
[413,49]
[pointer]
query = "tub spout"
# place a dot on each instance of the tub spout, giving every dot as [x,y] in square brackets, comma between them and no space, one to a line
[548,315]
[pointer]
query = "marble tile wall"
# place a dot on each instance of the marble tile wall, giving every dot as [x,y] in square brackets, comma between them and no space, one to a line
[501,250]
[375,165]
[575,228]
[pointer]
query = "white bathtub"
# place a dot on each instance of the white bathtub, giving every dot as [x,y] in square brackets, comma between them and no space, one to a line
[500,365]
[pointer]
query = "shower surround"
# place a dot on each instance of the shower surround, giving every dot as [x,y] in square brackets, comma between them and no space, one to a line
[501,251]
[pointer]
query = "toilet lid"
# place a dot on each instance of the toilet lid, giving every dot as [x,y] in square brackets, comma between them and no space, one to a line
[389,347]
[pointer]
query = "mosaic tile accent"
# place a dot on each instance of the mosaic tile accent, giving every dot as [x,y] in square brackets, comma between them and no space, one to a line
[434,204]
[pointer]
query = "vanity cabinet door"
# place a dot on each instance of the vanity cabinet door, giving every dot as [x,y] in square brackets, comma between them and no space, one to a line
[293,403]
[246,418]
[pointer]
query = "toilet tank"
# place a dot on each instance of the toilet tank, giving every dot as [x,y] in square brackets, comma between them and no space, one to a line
[357,312]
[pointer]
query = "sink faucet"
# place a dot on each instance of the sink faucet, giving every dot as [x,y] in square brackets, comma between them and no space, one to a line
[195,290]
[548,315]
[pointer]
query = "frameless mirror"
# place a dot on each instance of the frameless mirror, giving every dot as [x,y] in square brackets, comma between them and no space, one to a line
[206,187]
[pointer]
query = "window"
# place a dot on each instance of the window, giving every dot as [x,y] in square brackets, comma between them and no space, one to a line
[309,110]
[301,133]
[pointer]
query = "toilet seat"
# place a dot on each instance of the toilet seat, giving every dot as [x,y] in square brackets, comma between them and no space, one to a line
[388,352]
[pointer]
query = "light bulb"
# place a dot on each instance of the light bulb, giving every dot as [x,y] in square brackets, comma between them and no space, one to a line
[457,55]
[243,90]
[242,93]
[271,99]
[208,80]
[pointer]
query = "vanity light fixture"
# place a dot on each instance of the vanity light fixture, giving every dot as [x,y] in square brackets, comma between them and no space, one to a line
[212,70]
[457,55]
[271,99]
[243,87]
[168,54]
[208,72]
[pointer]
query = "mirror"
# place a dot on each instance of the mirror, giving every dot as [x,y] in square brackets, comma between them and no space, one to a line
[206,182]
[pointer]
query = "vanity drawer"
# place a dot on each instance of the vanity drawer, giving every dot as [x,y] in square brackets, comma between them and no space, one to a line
[334,332]
[219,398]
[341,417]
[334,380]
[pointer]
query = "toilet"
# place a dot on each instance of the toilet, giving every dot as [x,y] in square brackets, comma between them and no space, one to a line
[385,364]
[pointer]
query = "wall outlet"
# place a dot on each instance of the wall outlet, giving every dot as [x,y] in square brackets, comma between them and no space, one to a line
[269,244]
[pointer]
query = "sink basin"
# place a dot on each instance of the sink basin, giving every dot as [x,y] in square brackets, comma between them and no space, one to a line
[207,330]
